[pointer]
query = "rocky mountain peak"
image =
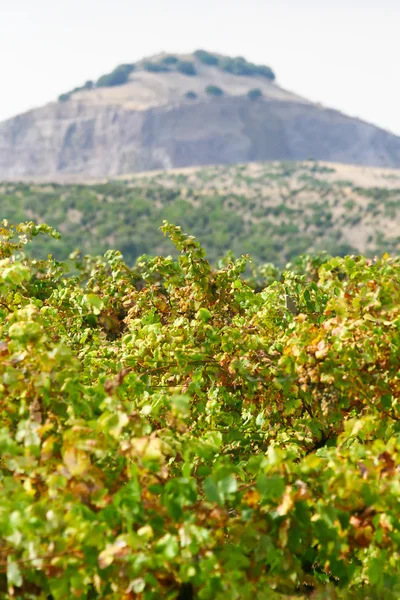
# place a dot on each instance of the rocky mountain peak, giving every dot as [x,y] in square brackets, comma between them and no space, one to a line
[178,110]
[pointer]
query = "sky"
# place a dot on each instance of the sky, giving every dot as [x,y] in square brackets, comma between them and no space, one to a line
[341,53]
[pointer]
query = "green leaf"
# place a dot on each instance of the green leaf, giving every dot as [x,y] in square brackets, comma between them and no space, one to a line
[212,491]
[95,302]
[14,576]
[181,404]
[25,331]
[168,546]
[375,571]
[270,488]
[16,274]
[228,485]
[137,585]
[203,314]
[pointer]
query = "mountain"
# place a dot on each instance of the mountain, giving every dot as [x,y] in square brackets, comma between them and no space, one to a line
[171,111]
[273,211]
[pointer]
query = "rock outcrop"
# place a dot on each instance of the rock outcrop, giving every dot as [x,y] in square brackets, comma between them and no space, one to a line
[169,119]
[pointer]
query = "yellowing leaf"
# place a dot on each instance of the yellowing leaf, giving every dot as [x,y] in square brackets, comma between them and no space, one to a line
[122,420]
[76,461]
[145,532]
[252,498]
[287,503]
[106,557]
[150,448]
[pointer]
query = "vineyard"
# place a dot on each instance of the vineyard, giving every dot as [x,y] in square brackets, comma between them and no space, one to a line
[177,430]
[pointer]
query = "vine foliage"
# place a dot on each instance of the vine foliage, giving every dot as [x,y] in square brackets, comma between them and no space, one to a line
[174,430]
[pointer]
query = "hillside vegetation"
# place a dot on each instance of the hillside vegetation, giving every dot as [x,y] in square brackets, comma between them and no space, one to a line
[273,211]
[168,63]
[174,431]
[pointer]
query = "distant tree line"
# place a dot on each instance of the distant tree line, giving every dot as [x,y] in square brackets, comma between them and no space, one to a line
[236,66]
[118,76]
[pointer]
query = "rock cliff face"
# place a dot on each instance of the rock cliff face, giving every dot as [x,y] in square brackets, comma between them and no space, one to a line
[162,120]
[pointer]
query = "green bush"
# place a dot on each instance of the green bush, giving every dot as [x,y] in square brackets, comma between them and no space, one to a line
[237,66]
[178,431]
[155,67]
[254,94]
[264,72]
[206,57]
[213,90]
[64,97]
[240,66]
[186,67]
[191,95]
[118,76]
[169,60]
[89,85]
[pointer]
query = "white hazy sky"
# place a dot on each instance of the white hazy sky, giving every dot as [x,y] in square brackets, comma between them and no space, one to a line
[342,53]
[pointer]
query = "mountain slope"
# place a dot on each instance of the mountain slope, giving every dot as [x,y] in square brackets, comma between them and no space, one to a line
[272,211]
[164,118]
